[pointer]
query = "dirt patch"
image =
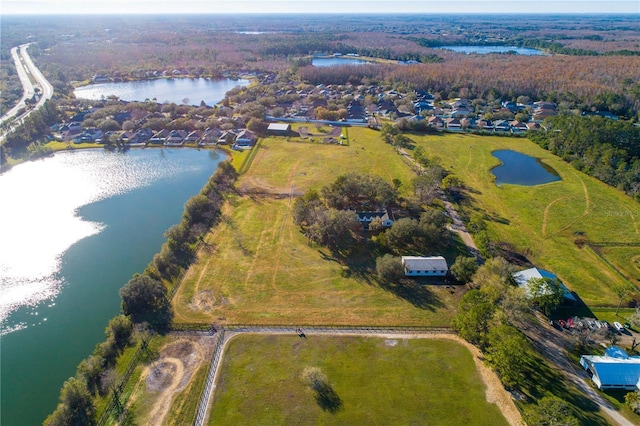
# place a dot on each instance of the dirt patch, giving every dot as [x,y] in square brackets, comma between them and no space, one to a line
[171,373]
[204,300]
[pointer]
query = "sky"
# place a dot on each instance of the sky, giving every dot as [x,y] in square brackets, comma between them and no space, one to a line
[47,7]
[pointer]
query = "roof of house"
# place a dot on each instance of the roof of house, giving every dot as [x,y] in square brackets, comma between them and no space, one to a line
[369,216]
[419,263]
[522,278]
[614,368]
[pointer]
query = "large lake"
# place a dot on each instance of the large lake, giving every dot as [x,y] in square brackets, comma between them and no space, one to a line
[75,227]
[163,90]
[494,49]
[520,169]
[334,62]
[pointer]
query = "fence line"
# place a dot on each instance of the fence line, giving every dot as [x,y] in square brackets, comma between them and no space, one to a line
[115,401]
[205,395]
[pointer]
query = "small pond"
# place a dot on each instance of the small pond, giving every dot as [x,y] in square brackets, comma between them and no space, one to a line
[333,62]
[494,49]
[164,90]
[520,169]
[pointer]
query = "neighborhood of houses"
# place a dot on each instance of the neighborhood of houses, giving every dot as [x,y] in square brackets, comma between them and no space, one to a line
[292,101]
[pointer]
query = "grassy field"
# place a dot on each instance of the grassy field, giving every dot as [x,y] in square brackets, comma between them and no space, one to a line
[258,267]
[543,221]
[413,381]
[284,165]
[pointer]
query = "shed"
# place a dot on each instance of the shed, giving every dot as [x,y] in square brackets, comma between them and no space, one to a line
[418,266]
[281,129]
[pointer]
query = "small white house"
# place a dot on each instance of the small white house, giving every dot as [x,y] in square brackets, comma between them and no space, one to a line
[417,266]
[385,217]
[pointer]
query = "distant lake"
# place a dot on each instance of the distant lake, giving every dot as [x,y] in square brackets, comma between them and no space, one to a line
[163,90]
[494,49]
[334,62]
[520,169]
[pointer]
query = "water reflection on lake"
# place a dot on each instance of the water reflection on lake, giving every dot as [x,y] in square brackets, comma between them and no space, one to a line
[520,169]
[163,90]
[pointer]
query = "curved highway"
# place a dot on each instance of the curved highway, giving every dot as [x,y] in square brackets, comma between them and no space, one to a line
[26,71]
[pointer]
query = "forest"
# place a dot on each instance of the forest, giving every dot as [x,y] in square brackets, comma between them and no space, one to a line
[584,60]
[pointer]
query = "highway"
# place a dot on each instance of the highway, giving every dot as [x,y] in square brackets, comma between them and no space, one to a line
[26,69]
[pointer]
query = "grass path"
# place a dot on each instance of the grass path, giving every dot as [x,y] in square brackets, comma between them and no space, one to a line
[545,217]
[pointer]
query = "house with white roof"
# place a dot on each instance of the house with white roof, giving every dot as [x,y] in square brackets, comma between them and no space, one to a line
[613,370]
[418,266]
[522,279]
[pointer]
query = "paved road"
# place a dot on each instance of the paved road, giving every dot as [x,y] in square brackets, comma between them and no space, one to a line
[553,345]
[25,68]
[27,85]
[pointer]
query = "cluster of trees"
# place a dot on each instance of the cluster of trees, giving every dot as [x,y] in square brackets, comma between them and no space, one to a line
[507,78]
[606,149]
[95,375]
[329,217]
[145,304]
[489,316]
[200,213]
[34,126]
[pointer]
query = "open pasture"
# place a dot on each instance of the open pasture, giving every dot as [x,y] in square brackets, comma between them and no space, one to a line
[370,381]
[543,222]
[258,268]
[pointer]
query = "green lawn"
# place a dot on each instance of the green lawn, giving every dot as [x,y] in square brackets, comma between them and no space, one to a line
[543,221]
[293,164]
[372,381]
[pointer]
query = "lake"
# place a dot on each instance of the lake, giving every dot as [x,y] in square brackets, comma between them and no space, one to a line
[520,169]
[494,49]
[75,227]
[163,90]
[334,62]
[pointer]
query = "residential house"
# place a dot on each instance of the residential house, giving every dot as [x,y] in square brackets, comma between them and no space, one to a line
[159,137]
[613,370]
[453,123]
[141,137]
[518,126]
[193,137]
[245,138]
[436,122]
[501,126]
[210,137]
[385,217]
[227,138]
[418,266]
[175,138]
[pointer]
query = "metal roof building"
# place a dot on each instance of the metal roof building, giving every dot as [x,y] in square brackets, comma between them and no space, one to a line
[614,370]
[417,266]
[522,279]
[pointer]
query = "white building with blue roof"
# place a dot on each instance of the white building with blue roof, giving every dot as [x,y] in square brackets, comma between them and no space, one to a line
[613,370]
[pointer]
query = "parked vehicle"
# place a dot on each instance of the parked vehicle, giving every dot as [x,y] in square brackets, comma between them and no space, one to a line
[618,326]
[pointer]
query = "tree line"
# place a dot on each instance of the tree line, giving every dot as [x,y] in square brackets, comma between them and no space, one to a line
[606,149]
[146,307]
